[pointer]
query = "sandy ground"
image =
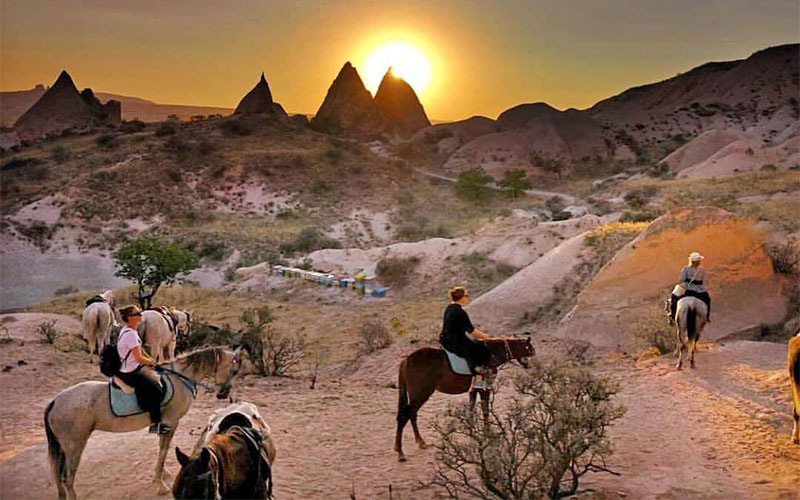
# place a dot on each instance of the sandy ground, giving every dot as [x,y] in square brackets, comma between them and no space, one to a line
[720,431]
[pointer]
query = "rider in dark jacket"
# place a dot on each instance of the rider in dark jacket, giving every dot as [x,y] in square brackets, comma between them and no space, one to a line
[459,336]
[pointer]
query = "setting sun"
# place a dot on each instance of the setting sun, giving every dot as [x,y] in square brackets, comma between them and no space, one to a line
[407,61]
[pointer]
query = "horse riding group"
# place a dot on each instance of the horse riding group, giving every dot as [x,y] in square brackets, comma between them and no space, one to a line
[233,456]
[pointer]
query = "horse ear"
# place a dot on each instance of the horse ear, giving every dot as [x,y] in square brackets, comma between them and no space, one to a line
[183,459]
[205,456]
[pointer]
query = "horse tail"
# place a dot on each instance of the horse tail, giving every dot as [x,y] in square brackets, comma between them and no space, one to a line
[691,324]
[91,327]
[57,457]
[402,393]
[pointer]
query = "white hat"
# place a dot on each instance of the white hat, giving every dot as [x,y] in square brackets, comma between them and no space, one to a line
[695,256]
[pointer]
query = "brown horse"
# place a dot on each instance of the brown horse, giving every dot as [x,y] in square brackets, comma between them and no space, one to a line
[426,370]
[231,466]
[793,362]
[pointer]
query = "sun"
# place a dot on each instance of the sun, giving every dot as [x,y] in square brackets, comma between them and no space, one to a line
[407,61]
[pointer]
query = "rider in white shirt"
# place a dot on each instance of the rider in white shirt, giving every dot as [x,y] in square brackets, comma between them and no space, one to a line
[134,362]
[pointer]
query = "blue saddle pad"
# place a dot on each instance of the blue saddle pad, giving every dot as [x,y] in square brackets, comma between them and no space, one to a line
[458,365]
[125,405]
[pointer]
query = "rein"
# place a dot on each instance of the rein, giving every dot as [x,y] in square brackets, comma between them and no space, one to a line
[188,382]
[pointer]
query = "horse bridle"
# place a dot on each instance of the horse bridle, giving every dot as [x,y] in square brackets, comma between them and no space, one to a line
[231,372]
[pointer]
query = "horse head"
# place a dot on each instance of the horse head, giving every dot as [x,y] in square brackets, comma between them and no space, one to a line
[507,349]
[198,477]
[228,365]
[183,322]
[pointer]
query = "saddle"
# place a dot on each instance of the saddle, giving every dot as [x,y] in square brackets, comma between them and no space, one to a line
[124,404]
[458,365]
[166,313]
[96,298]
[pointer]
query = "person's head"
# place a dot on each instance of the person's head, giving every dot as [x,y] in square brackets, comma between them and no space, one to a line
[695,259]
[458,295]
[131,315]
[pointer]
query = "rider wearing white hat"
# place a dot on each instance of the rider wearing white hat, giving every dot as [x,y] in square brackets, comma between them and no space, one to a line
[693,279]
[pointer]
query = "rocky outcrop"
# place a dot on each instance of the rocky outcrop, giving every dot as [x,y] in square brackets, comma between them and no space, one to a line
[399,105]
[61,107]
[259,101]
[745,290]
[536,138]
[348,108]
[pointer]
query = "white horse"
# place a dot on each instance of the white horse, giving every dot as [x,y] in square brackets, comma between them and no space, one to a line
[76,412]
[155,330]
[243,414]
[98,320]
[690,320]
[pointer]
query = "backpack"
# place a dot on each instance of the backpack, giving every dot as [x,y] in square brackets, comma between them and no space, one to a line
[110,363]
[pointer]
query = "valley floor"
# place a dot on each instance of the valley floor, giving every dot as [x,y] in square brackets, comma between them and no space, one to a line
[720,431]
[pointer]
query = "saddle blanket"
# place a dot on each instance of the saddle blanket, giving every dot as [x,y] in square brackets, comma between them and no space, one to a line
[458,365]
[125,405]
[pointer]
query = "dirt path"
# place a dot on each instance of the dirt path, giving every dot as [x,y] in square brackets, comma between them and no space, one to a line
[718,432]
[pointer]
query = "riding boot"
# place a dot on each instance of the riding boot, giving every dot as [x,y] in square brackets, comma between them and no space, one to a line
[673,308]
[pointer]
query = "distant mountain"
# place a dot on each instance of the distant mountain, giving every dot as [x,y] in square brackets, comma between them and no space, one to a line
[348,108]
[63,107]
[14,103]
[757,96]
[739,95]
[399,105]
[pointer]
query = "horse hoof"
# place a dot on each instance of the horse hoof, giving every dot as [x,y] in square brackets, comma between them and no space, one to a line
[678,367]
[162,489]
[401,458]
[422,445]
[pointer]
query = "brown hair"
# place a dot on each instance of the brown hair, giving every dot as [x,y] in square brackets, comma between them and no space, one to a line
[128,311]
[456,293]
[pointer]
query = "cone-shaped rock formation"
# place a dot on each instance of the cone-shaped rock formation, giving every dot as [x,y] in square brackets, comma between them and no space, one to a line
[348,107]
[62,107]
[259,101]
[400,106]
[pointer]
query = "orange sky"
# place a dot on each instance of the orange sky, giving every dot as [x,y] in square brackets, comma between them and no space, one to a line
[485,56]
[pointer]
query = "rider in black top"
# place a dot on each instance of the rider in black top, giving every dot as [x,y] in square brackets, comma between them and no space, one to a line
[455,327]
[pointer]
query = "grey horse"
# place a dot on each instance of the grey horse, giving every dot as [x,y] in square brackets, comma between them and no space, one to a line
[690,321]
[74,413]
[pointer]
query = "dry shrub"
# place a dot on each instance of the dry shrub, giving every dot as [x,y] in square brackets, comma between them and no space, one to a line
[396,271]
[47,331]
[656,332]
[273,353]
[553,431]
[374,336]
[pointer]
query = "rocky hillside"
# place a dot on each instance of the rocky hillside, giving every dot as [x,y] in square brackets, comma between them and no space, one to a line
[348,107]
[739,95]
[399,105]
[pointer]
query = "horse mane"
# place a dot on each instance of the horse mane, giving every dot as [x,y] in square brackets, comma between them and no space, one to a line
[202,358]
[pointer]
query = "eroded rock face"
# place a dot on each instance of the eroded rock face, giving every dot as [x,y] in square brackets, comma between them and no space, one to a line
[399,105]
[62,107]
[744,288]
[348,108]
[259,101]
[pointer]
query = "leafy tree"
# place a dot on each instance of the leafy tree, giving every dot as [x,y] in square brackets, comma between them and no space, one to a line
[515,182]
[473,184]
[151,262]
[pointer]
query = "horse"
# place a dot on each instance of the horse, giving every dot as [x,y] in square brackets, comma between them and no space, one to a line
[690,320]
[243,414]
[793,363]
[231,466]
[74,413]
[156,331]
[426,370]
[98,320]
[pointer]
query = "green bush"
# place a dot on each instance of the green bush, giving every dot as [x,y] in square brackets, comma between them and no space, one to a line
[473,185]
[60,154]
[166,129]
[396,271]
[106,141]
[236,127]
[515,183]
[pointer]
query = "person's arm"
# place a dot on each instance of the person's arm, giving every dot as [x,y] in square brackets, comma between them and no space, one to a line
[684,276]
[480,335]
[138,355]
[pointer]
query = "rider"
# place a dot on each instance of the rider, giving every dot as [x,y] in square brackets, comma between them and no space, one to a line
[134,364]
[694,280]
[455,329]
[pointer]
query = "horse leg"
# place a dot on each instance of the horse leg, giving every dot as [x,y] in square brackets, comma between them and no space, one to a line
[73,449]
[485,393]
[417,436]
[162,476]
[796,428]
[473,396]
[692,348]
[171,348]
